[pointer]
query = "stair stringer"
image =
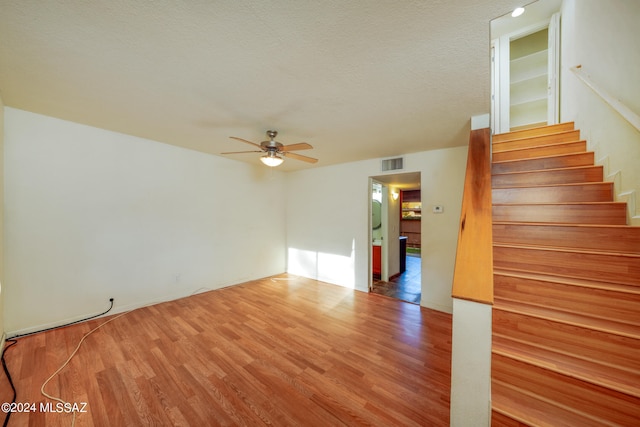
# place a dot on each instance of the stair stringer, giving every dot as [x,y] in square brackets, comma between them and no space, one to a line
[622,194]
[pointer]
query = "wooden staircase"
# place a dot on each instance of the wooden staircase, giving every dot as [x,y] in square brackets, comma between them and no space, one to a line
[566,314]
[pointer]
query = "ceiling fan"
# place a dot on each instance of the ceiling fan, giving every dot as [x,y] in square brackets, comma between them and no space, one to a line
[274,151]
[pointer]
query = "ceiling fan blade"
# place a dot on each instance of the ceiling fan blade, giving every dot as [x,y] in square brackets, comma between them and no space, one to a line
[244,140]
[300,157]
[240,152]
[294,147]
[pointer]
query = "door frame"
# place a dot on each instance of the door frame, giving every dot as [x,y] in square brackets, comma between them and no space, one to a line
[500,75]
[391,182]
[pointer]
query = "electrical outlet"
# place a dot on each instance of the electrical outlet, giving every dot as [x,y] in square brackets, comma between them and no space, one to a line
[438,209]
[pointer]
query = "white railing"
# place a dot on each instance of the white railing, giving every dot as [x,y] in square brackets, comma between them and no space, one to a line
[614,103]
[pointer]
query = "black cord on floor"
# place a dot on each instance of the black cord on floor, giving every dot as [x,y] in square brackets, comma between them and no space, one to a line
[14,341]
[66,324]
[6,370]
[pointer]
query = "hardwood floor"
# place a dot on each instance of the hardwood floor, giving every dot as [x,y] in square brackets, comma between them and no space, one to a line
[287,351]
[407,286]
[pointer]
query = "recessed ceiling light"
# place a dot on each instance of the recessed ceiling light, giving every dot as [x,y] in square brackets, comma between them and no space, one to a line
[517,12]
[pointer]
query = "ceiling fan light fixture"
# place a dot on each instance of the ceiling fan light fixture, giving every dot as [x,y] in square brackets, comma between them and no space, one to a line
[274,152]
[271,159]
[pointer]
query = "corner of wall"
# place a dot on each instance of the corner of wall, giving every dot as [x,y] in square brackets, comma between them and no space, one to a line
[2,332]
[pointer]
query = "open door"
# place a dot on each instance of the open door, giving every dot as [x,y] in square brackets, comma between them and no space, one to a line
[525,68]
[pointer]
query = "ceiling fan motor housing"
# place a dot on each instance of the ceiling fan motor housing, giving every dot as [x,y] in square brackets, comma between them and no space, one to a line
[270,145]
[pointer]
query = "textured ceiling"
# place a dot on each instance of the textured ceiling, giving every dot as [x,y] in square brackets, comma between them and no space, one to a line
[356,79]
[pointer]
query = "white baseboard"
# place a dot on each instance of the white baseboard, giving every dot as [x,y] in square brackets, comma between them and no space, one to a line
[117,309]
[438,307]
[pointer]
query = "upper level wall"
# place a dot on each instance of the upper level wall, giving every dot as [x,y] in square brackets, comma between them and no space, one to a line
[602,37]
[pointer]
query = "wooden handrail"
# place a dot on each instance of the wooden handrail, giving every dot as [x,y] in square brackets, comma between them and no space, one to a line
[473,273]
[614,103]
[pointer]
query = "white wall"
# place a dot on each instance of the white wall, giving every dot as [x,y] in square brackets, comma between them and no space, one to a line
[471,364]
[603,38]
[327,221]
[2,331]
[93,214]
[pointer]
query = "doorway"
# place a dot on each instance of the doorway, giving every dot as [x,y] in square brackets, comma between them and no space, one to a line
[395,236]
[525,68]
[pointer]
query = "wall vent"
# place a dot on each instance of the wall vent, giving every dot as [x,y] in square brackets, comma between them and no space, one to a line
[392,164]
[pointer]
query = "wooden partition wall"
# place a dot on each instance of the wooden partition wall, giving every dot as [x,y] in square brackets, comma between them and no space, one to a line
[473,273]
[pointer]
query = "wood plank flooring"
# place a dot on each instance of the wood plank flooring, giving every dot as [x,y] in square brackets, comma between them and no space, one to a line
[280,351]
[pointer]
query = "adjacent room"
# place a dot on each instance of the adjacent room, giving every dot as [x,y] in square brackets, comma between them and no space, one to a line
[396,213]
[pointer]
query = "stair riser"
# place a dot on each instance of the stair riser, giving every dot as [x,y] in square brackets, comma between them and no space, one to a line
[591,266]
[603,304]
[535,141]
[613,239]
[500,420]
[594,192]
[549,150]
[545,130]
[556,176]
[594,345]
[582,396]
[557,162]
[610,213]
[536,412]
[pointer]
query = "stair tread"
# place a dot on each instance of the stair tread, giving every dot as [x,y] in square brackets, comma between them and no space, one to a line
[538,150]
[558,186]
[544,224]
[606,237]
[584,158]
[608,376]
[562,213]
[535,410]
[568,249]
[548,130]
[606,405]
[538,158]
[616,287]
[614,267]
[533,147]
[597,302]
[561,316]
[568,168]
[580,174]
[570,184]
[555,193]
[559,203]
